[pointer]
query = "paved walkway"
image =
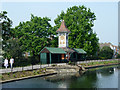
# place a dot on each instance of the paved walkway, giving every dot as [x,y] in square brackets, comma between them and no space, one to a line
[42,66]
[22,68]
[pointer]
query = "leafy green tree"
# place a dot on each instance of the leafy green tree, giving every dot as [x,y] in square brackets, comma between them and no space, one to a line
[13,49]
[54,39]
[106,53]
[34,34]
[5,27]
[80,20]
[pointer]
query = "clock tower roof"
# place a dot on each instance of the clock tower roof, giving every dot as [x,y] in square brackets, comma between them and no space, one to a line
[63,28]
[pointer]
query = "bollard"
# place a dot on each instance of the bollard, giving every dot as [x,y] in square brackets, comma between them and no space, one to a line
[22,68]
[11,69]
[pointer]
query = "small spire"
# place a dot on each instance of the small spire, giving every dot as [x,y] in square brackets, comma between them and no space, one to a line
[63,28]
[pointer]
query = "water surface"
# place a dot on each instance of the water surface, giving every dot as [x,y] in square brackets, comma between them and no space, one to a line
[101,78]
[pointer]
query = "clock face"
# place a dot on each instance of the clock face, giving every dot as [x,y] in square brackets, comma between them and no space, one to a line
[62,40]
[62,37]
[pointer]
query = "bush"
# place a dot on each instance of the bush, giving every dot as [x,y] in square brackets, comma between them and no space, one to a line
[53,65]
[118,56]
[106,53]
[69,62]
[8,73]
[14,75]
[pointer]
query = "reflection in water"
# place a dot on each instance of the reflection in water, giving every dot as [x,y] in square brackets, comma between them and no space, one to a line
[89,79]
[101,78]
[106,71]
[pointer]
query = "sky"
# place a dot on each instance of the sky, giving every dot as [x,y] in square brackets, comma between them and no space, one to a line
[106,24]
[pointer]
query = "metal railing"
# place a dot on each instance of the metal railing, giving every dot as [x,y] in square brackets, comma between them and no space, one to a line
[39,66]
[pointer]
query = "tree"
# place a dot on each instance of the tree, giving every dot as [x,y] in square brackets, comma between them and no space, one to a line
[79,20]
[5,25]
[106,53]
[34,34]
[13,49]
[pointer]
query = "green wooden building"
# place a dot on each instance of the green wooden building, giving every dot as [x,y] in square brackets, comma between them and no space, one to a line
[63,53]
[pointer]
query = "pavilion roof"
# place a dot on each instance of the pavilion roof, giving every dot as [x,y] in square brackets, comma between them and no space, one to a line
[80,51]
[65,50]
[53,50]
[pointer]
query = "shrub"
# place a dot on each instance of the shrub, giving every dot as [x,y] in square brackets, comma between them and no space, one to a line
[8,73]
[38,72]
[14,75]
[2,78]
[35,72]
[106,53]
[53,65]
[69,62]
[118,56]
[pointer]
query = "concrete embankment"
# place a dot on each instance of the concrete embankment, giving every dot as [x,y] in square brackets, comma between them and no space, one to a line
[97,66]
[28,77]
[64,68]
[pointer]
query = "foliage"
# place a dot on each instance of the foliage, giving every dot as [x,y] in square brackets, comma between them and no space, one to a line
[69,62]
[99,63]
[5,25]
[119,45]
[13,49]
[33,34]
[79,20]
[118,56]
[53,65]
[106,53]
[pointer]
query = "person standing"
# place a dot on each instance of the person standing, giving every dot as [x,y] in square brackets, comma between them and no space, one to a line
[6,63]
[11,62]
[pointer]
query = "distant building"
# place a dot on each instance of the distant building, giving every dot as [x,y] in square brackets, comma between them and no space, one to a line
[113,47]
[63,53]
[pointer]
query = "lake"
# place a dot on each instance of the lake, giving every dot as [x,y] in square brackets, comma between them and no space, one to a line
[106,77]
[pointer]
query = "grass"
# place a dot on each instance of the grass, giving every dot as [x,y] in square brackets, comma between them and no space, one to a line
[100,63]
[102,67]
[14,75]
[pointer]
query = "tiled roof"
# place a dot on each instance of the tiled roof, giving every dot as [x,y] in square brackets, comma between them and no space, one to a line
[53,50]
[80,51]
[67,49]
[62,50]
[63,28]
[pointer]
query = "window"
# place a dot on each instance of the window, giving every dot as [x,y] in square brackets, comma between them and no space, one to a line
[63,56]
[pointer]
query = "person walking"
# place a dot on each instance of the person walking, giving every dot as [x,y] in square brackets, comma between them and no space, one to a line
[11,62]
[6,63]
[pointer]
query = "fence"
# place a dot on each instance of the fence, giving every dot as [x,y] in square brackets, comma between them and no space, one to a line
[46,65]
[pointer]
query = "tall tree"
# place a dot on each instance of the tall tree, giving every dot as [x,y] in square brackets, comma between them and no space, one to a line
[13,49]
[5,27]
[34,34]
[80,20]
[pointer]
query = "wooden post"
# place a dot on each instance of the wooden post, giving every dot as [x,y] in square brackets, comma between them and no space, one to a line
[50,58]
[76,56]
[58,58]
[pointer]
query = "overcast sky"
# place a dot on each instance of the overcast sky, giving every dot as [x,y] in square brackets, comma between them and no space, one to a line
[106,25]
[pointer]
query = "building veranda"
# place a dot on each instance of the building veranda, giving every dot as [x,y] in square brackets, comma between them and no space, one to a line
[63,53]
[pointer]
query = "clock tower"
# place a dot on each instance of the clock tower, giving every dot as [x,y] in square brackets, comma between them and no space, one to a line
[63,33]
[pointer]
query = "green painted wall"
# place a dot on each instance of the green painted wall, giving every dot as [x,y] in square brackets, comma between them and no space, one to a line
[43,58]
